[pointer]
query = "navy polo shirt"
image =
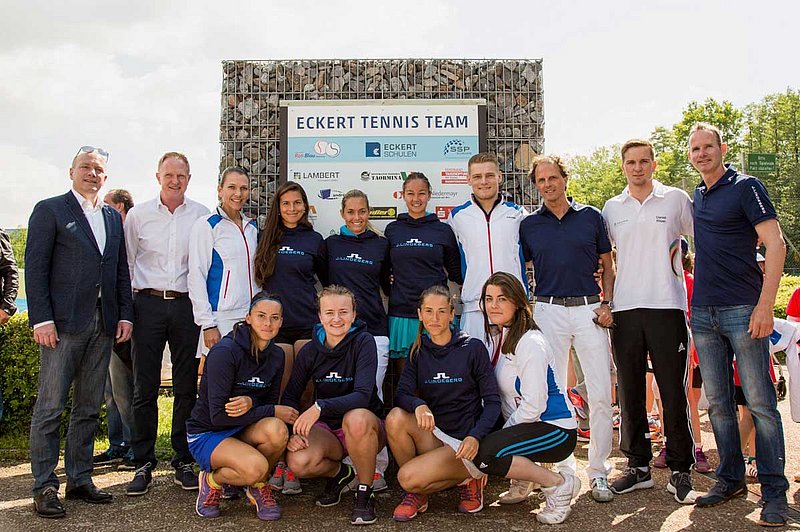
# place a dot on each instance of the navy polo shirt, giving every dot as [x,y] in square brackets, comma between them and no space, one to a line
[565,252]
[725,217]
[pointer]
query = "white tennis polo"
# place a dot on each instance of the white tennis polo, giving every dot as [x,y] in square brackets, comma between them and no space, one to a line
[647,239]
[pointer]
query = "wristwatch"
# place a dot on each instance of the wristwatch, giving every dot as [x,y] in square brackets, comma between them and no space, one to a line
[609,303]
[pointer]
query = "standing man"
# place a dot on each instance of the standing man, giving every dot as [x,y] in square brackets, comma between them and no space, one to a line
[119,383]
[732,313]
[79,302]
[565,239]
[645,223]
[487,231]
[157,236]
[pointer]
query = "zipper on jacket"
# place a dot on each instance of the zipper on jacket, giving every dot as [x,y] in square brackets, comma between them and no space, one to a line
[227,280]
[247,251]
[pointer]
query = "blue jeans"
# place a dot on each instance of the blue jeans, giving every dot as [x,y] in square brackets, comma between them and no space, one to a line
[79,360]
[719,332]
[119,404]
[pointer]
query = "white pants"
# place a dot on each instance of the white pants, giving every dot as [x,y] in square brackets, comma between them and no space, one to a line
[224,326]
[565,326]
[472,324]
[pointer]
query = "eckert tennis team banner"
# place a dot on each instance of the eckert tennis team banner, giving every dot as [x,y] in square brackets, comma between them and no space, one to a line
[334,146]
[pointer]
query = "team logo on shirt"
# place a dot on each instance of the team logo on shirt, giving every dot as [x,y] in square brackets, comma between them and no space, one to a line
[354,257]
[289,250]
[334,376]
[253,382]
[443,378]
[414,243]
[661,219]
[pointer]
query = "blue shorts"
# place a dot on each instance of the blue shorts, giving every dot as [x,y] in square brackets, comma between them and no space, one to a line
[202,445]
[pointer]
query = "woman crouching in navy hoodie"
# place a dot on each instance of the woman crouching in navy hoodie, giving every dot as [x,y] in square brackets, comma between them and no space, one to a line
[345,420]
[539,420]
[236,432]
[435,435]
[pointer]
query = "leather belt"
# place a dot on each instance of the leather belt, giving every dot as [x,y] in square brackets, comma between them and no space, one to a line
[568,301]
[163,294]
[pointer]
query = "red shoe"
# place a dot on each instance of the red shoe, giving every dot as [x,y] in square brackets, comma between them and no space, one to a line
[584,435]
[410,506]
[471,495]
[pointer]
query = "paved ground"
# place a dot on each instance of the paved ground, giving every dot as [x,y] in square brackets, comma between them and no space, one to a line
[167,507]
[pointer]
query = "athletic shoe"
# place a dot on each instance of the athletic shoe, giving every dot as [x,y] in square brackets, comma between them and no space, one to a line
[558,500]
[471,495]
[261,497]
[751,469]
[720,493]
[600,490]
[577,403]
[411,505]
[661,460]
[230,492]
[208,497]
[378,483]
[701,464]
[632,478]
[364,508]
[332,493]
[276,480]
[518,491]
[142,480]
[291,484]
[680,485]
[109,456]
[774,513]
[584,435]
[127,464]
[185,477]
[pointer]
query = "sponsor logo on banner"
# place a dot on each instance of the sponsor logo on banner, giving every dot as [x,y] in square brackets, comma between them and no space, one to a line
[318,176]
[456,148]
[437,195]
[454,176]
[443,211]
[383,213]
[330,194]
[372,149]
[397,194]
[312,212]
[322,150]
[383,176]
[391,150]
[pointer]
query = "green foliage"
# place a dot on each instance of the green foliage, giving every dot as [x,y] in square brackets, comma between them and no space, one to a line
[19,360]
[789,283]
[596,178]
[18,238]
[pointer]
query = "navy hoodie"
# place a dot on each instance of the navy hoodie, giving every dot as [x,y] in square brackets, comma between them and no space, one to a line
[424,253]
[343,377]
[457,383]
[361,263]
[232,371]
[297,262]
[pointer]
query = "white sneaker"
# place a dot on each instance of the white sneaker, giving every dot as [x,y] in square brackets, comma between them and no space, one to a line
[558,500]
[600,490]
[518,491]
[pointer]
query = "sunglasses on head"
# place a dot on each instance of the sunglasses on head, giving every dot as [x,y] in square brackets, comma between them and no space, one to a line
[91,149]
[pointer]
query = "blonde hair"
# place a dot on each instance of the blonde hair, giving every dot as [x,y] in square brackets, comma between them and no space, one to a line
[359,194]
[176,155]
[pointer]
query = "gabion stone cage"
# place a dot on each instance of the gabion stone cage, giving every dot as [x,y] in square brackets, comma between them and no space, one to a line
[252,90]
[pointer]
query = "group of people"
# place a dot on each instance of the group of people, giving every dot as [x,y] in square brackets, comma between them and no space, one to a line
[291,376]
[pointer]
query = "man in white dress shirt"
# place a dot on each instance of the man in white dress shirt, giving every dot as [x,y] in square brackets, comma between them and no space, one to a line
[157,239]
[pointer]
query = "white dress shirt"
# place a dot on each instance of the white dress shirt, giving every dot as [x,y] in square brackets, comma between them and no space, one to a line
[158,244]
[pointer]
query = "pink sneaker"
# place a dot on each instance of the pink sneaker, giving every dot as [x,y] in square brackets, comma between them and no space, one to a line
[661,459]
[701,464]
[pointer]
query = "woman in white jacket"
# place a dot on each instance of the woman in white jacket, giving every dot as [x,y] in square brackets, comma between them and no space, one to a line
[539,421]
[221,250]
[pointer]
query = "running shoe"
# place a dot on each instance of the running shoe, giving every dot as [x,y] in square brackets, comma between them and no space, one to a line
[231,492]
[291,484]
[208,497]
[721,492]
[332,493]
[261,497]
[185,477]
[518,491]
[601,492]
[577,403]
[558,500]
[680,486]
[661,460]
[655,430]
[276,480]
[142,480]
[584,435]
[378,483]
[364,508]
[411,505]
[701,464]
[471,495]
[632,478]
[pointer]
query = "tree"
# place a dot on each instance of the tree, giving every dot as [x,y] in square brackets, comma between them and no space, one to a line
[18,238]
[596,178]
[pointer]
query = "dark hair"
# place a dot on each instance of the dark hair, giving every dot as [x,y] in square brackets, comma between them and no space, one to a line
[259,297]
[120,195]
[435,290]
[522,322]
[419,176]
[267,250]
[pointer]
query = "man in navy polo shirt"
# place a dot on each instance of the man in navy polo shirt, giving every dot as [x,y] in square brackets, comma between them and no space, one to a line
[732,313]
[564,239]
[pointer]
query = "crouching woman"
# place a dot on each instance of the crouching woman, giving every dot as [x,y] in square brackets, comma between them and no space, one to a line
[447,402]
[539,420]
[236,432]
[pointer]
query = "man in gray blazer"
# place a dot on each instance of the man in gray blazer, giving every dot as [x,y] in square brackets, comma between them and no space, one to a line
[79,302]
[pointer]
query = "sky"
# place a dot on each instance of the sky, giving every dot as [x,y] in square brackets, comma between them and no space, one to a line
[141,78]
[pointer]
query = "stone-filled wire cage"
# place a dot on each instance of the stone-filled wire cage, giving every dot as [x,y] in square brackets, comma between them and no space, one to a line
[252,90]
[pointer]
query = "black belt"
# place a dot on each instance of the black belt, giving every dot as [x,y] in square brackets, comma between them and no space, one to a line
[163,294]
[568,301]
